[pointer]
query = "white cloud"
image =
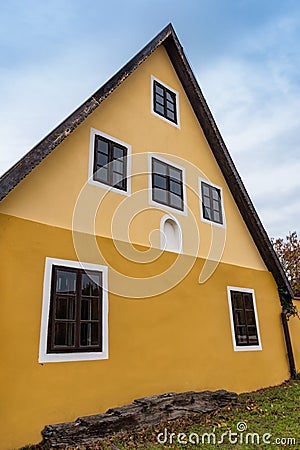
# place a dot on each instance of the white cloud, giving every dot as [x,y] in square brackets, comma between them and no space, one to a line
[256,103]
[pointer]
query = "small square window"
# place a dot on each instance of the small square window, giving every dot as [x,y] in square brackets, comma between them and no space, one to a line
[211,203]
[164,102]
[167,184]
[243,315]
[74,319]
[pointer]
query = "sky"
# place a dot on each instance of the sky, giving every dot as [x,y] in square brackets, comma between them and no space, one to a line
[245,55]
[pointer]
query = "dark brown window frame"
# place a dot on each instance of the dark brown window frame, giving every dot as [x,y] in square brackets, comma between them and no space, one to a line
[245,325]
[211,207]
[110,168]
[165,101]
[78,320]
[168,183]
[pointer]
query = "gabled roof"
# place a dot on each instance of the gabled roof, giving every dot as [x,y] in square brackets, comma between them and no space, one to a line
[168,38]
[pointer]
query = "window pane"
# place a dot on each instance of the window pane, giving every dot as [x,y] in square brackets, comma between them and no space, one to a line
[237,300]
[102,160]
[159,99]
[118,152]
[206,213]
[85,334]
[159,181]
[65,281]
[205,190]
[90,283]
[159,108]
[206,201]
[217,217]
[64,334]
[117,179]
[118,165]
[239,317]
[170,96]
[159,89]
[170,106]
[216,205]
[102,174]
[160,195]
[65,308]
[248,301]
[175,187]
[175,201]
[241,337]
[216,194]
[89,334]
[170,115]
[102,146]
[175,173]
[159,168]
[252,335]
[250,318]
[90,308]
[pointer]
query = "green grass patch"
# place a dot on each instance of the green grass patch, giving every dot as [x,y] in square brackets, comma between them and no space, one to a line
[265,419]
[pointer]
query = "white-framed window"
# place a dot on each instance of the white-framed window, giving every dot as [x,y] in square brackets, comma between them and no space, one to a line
[211,203]
[243,319]
[170,234]
[166,184]
[74,324]
[109,163]
[165,102]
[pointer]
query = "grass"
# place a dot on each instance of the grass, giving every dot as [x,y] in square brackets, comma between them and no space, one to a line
[272,413]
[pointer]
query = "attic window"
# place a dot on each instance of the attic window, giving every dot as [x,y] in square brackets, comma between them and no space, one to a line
[211,203]
[109,162]
[164,102]
[167,184]
[243,315]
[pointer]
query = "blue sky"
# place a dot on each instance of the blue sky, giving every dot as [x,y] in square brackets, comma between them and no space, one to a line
[244,53]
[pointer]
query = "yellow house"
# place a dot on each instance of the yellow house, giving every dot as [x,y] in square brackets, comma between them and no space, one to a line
[133,261]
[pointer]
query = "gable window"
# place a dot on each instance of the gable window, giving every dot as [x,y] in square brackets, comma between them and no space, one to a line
[109,162]
[244,321]
[164,102]
[211,203]
[74,322]
[167,184]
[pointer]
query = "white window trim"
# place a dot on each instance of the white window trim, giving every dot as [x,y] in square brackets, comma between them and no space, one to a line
[45,357]
[203,219]
[176,125]
[244,348]
[93,133]
[160,205]
[162,242]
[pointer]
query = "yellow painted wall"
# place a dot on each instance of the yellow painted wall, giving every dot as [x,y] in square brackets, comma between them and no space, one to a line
[294,326]
[49,194]
[177,341]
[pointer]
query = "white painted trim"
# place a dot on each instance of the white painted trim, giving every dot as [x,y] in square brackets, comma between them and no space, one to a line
[93,133]
[45,357]
[176,125]
[162,222]
[203,219]
[160,205]
[244,348]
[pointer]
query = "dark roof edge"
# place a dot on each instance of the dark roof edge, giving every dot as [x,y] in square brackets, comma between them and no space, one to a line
[28,162]
[225,162]
[169,39]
